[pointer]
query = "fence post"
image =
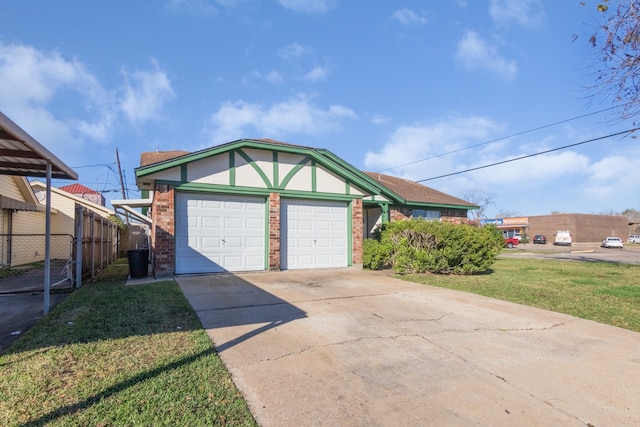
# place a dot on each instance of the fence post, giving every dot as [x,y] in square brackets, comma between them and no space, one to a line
[79,238]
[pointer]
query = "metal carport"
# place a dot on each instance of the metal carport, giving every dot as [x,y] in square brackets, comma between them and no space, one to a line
[22,155]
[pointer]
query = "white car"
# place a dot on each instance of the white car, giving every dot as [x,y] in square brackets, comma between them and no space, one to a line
[612,242]
[634,238]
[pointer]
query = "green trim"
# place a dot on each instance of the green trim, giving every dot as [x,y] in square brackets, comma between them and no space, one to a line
[253,164]
[322,157]
[183,173]
[232,167]
[350,234]
[276,170]
[267,232]
[384,207]
[293,171]
[347,187]
[314,182]
[254,191]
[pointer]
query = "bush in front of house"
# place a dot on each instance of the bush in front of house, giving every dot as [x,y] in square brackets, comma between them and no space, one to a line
[418,246]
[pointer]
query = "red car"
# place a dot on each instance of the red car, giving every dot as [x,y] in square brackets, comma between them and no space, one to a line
[510,242]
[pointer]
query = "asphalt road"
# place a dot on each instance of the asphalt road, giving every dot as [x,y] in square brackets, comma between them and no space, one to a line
[630,254]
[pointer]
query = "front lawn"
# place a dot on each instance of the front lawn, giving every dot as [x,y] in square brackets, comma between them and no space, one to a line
[112,354]
[605,292]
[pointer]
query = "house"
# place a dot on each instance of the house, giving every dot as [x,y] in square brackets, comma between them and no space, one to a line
[266,205]
[22,222]
[85,193]
[63,216]
[413,200]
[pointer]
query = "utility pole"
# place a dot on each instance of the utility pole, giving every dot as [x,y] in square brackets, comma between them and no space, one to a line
[124,193]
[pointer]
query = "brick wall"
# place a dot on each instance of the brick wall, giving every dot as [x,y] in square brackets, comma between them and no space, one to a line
[274,231]
[163,230]
[398,213]
[584,228]
[357,230]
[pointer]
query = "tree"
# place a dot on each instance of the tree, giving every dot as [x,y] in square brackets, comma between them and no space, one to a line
[506,213]
[480,198]
[618,44]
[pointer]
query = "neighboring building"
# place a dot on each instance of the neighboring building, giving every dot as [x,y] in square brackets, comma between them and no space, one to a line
[85,193]
[22,222]
[584,228]
[63,216]
[267,205]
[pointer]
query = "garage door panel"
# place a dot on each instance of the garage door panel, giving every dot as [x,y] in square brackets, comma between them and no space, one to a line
[217,233]
[315,234]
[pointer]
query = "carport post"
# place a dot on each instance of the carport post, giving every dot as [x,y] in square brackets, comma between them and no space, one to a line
[47,242]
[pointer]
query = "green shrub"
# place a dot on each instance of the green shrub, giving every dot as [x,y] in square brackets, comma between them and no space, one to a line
[375,255]
[418,246]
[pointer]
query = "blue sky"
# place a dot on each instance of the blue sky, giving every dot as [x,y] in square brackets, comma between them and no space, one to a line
[399,87]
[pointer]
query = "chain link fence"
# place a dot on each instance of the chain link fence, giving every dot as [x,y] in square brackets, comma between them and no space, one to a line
[22,262]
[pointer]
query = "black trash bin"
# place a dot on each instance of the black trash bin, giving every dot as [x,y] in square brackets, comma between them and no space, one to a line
[138,262]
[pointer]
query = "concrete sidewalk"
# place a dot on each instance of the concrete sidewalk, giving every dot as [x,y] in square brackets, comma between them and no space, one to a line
[354,348]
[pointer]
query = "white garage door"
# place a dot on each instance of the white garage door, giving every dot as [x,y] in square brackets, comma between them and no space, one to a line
[313,234]
[217,233]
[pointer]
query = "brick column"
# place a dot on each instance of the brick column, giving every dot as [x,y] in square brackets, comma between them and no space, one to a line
[163,231]
[357,230]
[274,231]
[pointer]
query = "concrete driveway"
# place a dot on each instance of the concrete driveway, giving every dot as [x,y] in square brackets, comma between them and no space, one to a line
[349,347]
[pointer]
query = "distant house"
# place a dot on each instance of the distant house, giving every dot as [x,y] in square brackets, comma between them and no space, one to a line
[22,222]
[267,205]
[63,217]
[85,193]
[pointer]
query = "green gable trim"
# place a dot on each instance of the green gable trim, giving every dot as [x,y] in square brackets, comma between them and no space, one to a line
[439,205]
[314,179]
[232,168]
[350,234]
[321,157]
[276,171]
[254,191]
[253,164]
[293,171]
[183,173]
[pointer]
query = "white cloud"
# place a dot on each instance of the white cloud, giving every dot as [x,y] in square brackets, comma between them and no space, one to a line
[294,51]
[239,119]
[475,53]
[408,17]
[526,13]
[145,93]
[31,80]
[317,74]
[407,145]
[308,6]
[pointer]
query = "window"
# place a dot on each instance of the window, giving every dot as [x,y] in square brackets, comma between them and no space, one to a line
[425,214]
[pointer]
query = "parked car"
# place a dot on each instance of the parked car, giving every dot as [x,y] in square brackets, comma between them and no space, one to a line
[540,239]
[634,238]
[562,237]
[612,242]
[510,242]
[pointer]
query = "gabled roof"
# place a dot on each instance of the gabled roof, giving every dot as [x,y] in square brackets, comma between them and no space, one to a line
[78,189]
[414,192]
[169,159]
[88,203]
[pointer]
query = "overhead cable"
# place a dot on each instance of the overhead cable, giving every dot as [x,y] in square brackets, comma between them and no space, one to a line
[532,155]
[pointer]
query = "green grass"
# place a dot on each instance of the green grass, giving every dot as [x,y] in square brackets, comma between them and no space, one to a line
[605,292]
[112,354]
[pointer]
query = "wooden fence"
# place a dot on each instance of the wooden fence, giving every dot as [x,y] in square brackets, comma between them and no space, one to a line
[96,245]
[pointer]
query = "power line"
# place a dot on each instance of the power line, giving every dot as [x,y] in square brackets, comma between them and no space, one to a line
[531,155]
[502,137]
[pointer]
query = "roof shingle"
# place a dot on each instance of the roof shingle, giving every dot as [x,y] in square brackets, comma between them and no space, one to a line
[412,191]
